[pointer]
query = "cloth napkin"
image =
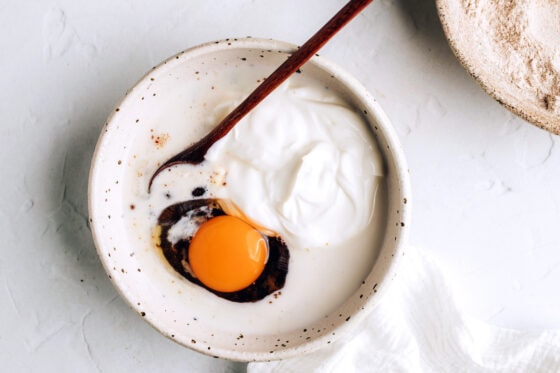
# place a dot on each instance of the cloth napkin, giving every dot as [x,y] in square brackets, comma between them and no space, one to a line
[418,327]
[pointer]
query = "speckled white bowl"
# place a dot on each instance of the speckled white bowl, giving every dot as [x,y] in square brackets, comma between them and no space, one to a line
[135,277]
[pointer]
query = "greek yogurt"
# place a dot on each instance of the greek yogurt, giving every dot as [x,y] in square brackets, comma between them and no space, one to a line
[301,164]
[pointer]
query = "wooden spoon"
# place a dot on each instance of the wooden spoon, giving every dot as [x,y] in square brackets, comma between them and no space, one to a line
[195,153]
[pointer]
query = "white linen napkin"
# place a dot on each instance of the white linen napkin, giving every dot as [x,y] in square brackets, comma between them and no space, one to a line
[419,327]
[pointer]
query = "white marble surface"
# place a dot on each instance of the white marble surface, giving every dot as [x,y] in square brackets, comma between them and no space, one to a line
[485,183]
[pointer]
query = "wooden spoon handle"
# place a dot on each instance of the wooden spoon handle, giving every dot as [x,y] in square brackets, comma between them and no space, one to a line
[287,68]
[195,153]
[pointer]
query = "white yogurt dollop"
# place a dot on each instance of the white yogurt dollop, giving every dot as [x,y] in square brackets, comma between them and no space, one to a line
[302,164]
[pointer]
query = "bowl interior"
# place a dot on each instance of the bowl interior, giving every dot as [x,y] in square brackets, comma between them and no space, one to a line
[140,273]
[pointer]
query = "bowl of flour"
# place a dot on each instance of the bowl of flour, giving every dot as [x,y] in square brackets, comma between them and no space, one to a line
[512,48]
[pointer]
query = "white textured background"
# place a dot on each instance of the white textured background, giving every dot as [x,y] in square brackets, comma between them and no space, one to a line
[486,184]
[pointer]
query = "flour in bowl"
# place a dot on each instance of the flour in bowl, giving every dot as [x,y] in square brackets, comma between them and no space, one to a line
[513,47]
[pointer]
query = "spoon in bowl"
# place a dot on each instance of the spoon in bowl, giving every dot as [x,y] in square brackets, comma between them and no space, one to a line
[196,152]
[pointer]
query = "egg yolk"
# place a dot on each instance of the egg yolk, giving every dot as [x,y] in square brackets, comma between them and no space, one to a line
[227,254]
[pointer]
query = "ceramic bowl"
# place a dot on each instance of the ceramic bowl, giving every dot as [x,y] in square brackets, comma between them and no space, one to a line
[524,93]
[154,291]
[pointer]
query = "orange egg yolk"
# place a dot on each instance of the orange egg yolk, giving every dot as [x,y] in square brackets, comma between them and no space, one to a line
[227,254]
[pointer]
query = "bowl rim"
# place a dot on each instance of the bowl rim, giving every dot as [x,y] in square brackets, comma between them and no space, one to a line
[400,169]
